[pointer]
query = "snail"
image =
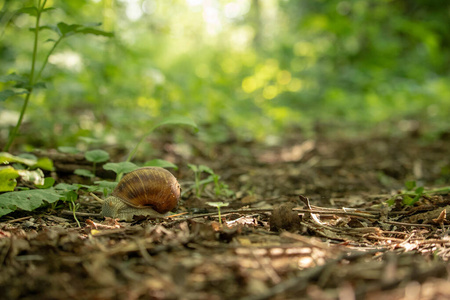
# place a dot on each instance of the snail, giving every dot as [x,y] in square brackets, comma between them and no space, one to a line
[147,191]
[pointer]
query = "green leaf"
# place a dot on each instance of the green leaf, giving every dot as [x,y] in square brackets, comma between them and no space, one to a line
[97,156]
[67,187]
[106,187]
[96,188]
[193,168]
[40,85]
[89,140]
[120,167]
[203,168]
[48,183]
[84,172]
[48,9]
[13,77]
[90,30]
[206,181]
[419,190]
[106,184]
[8,177]
[217,204]
[30,156]
[27,200]
[32,11]
[5,158]
[45,27]
[6,94]
[410,185]
[177,120]
[66,29]
[160,163]
[67,149]
[5,211]
[70,196]
[407,200]
[44,163]
[28,160]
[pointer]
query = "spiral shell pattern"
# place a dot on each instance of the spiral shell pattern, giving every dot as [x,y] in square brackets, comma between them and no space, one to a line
[153,187]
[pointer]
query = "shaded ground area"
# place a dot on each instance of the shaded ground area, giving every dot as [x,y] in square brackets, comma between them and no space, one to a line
[309,220]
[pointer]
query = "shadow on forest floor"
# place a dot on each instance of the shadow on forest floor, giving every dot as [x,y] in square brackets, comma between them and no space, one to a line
[309,220]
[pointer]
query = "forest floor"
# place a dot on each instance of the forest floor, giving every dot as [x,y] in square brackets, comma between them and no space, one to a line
[308,220]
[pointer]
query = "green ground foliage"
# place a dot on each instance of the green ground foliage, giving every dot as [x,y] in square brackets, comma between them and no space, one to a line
[257,66]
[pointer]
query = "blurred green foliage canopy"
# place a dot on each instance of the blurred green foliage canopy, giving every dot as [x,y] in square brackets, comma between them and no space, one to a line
[255,65]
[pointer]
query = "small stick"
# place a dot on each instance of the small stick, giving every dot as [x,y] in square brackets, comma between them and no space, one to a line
[19,219]
[80,214]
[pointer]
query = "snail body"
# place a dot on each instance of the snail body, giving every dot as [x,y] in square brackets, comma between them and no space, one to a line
[147,191]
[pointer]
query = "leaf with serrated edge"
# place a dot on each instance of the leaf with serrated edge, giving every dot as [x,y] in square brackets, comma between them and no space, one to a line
[9,93]
[13,77]
[66,29]
[6,94]
[32,11]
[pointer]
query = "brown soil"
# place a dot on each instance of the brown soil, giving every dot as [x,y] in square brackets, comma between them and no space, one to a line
[308,220]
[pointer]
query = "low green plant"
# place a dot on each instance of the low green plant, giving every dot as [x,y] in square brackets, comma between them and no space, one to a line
[32,199]
[199,184]
[69,193]
[412,193]
[94,156]
[218,205]
[220,188]
[27,167]
[26,200]
[26,84]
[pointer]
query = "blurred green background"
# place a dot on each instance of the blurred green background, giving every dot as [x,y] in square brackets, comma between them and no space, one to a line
[252,67]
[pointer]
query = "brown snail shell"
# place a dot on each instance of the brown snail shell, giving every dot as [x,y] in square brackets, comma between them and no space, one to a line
[145,191]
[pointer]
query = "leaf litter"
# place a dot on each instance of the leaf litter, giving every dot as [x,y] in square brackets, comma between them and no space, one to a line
[309,220]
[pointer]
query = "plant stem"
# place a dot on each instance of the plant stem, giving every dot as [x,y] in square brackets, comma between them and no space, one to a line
[220,218]
[31,81]
[73,208]
[197,184]
[47,57]
[14,131]
[135,149]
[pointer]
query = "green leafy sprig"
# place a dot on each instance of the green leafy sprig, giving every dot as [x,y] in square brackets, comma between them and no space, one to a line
[27,84]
